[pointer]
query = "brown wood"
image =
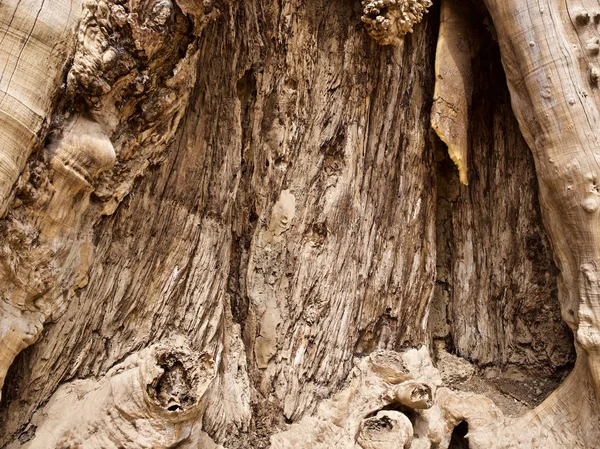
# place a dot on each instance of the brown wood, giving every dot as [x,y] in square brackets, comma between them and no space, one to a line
[235,227]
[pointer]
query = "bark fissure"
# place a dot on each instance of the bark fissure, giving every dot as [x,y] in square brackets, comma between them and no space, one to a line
[283,213]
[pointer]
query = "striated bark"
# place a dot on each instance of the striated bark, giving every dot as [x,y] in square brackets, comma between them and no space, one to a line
[268,212]
[493,255]
[225,225]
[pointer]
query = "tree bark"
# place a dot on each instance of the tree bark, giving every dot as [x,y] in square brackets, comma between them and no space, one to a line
[493,255]
[238,228]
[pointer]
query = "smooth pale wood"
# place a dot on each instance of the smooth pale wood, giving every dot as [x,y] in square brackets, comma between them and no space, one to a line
[456,46]
[36,40]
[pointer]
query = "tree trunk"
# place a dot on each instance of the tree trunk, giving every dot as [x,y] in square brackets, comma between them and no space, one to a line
[230,224]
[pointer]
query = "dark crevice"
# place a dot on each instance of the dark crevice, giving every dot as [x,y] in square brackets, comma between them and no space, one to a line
[458,439]
[245,218]
[172,389]
[378,334]
[448,188]
[28,434]
[410,413]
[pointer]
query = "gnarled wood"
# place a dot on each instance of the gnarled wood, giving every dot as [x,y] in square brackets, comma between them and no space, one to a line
[266,176]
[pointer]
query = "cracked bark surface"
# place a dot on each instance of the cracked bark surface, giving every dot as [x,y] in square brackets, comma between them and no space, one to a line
[225,227]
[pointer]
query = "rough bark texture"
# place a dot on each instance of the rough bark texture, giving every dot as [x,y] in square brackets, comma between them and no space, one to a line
[270,212]
[241,221]
[493,257]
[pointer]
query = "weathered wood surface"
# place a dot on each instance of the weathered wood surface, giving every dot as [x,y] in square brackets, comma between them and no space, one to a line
[287,232]
[297,201]
[494,259]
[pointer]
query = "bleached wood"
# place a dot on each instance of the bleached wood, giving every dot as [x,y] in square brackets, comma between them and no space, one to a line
[456,47]
[283,220]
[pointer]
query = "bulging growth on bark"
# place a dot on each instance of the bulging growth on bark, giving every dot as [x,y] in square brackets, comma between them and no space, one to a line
[151,399]
[100,120]
[387,21]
